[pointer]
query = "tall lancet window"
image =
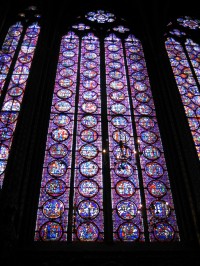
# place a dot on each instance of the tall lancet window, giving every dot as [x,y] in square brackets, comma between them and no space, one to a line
[15,62]
[183,49]
[104,175]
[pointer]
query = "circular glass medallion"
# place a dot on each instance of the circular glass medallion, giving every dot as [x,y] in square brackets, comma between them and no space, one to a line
[89,107]
[124,169]
[114,56]
[114,65]
[136,66]
[160,209]
[90,56]
[121,136]
[88,151]
[58,150]
[119,122]
[19,78]
[64,93]
[87,232]
[89,95]
[128,232]
[157,188]
[142,97]
[51,231]
[88,188]
[63,106]
[90,84]
[115,74]
[116,85]
[146,122]
[90,46]
[117,96]
[89,74]
[144,109]
[148,137]
[67,62]
[15,91]
[66,72]
[57,168]
[139,86]
[69,45]
[61,120]
[122,152]
[31,32]
[8,117]
[134,56]
[88,209]
[90,64]
[5,133]
[5,58]
[4,152]
[89,169]
[55,187]
[118,108]
[11,105]
[126,209]
[89,121]
[163,232]
[65,83]
[125,188]
[89,135]
[25,59]
[27,48]
[151,152]
[60,134]
[53,208]
[113,47]
[68,54]
[154,170]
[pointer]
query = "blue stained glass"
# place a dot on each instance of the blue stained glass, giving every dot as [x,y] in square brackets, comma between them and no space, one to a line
[55,187]
[51,231]
[87,232]
[163,232]
[128,232]
[17,85]
[126,209]
[157,188]
[88,209]
[88,188]
[53,208]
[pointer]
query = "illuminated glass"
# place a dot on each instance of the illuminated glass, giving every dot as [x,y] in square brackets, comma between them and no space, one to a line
[16,88]
[8,51]
[103,132]
[184,58]
[152,160]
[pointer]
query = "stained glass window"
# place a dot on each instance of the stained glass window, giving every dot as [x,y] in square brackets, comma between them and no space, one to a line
[104,157]
[17,84]
[184,56]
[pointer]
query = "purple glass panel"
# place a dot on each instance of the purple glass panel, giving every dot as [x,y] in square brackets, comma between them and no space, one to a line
[88,194]
[13,99]
[152,157]
[186,83]
[53,208]
[8,50]
[127,220]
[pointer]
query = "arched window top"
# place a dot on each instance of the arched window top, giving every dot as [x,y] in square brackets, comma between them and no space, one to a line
[183,48]
[189,22]
[101,22]
[104,173]
[183,27]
